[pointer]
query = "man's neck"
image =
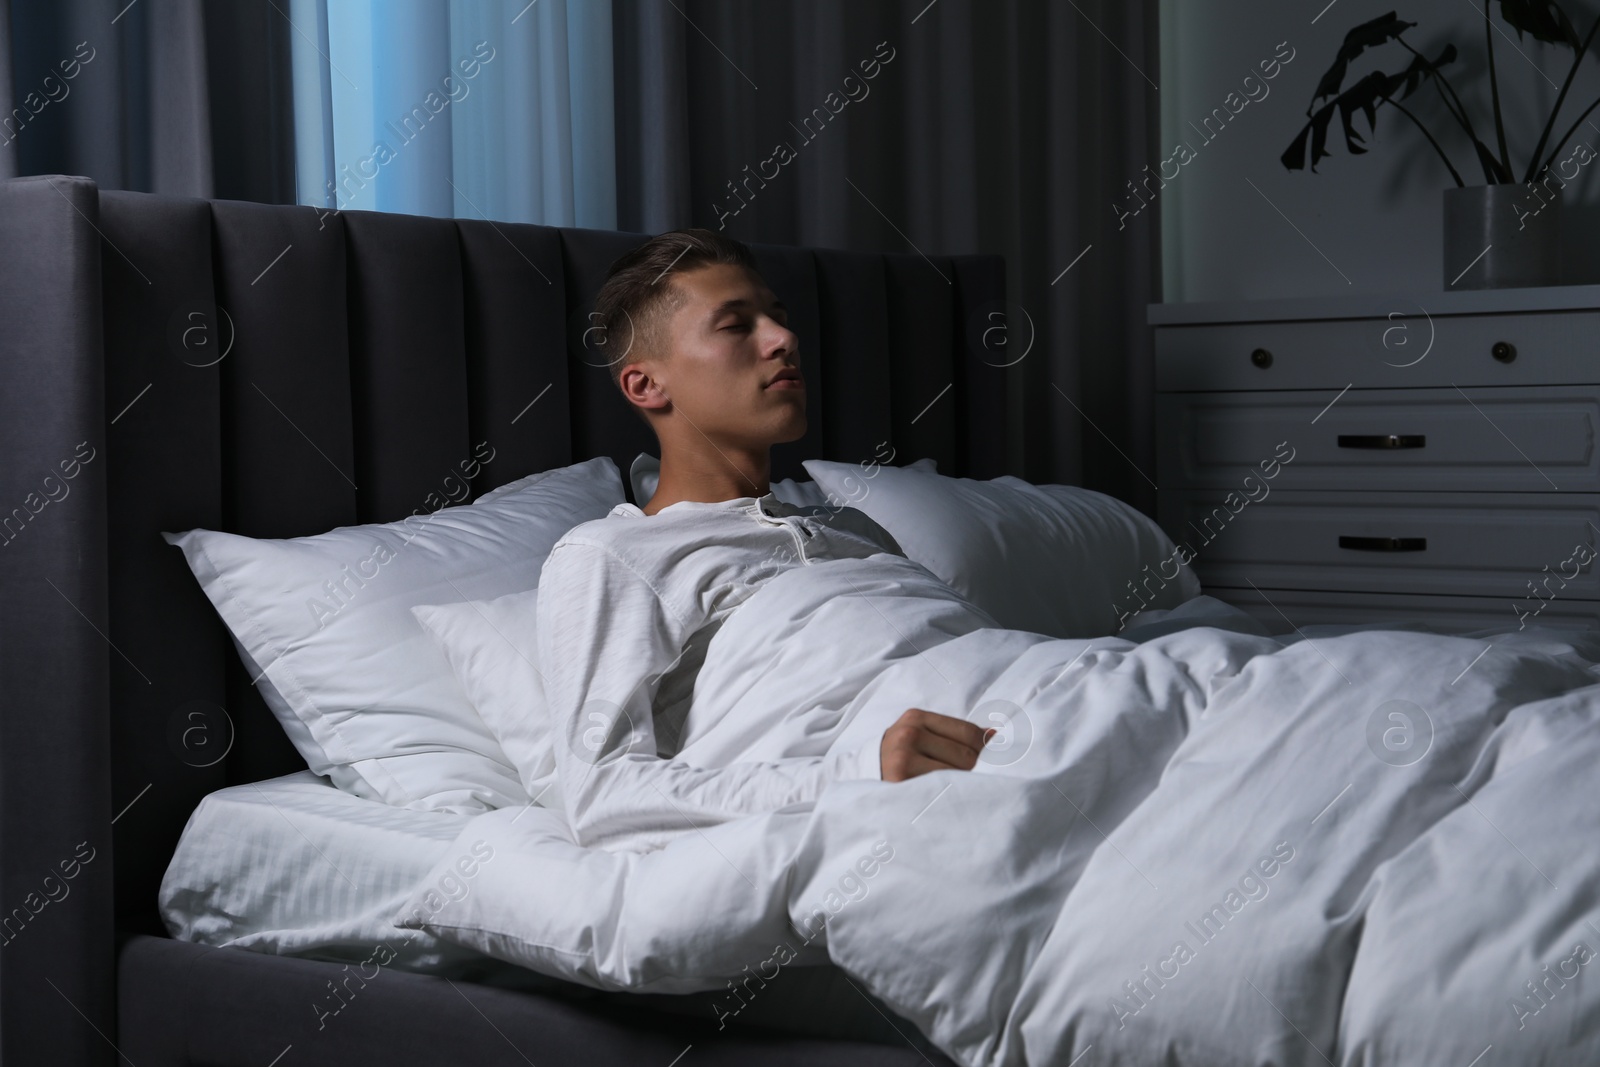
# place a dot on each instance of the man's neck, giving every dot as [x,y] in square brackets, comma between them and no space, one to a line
[714,475]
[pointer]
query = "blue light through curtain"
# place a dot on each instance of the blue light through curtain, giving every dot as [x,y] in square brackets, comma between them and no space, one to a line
[497,109]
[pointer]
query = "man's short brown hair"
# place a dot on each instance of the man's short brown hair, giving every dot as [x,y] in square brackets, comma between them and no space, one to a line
[633,306]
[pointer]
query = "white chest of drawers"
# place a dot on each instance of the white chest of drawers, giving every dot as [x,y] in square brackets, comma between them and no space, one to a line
[1367,459]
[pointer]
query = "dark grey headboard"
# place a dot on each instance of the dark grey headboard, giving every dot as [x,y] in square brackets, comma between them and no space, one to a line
[278,371]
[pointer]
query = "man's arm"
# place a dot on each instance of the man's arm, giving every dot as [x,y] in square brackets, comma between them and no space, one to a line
[605,640]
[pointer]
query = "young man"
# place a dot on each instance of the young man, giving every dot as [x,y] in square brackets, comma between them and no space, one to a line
[628,603]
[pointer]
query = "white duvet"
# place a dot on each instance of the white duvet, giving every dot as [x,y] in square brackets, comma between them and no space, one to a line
[1205,846]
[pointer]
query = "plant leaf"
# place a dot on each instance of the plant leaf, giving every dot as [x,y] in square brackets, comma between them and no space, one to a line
[1294,157]
[1543,20]
[1418,70]
[1319,136]
[1363,98]
[1367,35]
[1316,130]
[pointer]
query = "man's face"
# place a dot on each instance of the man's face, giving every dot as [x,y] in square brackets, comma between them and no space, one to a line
[725,345]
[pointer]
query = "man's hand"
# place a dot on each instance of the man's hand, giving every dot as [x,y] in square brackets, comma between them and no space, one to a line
[922,741]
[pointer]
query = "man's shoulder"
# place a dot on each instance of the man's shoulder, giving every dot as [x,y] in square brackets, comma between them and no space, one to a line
[619,539]
[597,561]
[605,530]
[587,559]
[608,536]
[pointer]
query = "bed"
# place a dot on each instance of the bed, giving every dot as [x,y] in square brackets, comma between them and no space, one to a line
[279,371]
[1201,842]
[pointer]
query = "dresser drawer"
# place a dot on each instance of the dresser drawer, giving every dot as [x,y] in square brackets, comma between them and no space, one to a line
[1468,544]
[1535,439]
[1281,610]
[1408,350]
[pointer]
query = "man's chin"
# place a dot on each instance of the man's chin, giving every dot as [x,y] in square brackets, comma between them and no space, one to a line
[794,432]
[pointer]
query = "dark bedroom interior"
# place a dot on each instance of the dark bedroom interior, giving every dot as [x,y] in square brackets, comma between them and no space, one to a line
[720,532]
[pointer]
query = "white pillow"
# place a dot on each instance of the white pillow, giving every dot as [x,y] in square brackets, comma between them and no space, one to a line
[492,649]
[800,494]
[645,474]
[1051,559]
[362,691]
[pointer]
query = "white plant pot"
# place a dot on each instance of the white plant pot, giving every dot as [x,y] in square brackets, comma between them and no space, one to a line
[1502,236]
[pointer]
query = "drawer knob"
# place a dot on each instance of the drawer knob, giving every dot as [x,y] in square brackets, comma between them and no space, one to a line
[1384,544]
[1383,440]
[1504,351]
[1261,358]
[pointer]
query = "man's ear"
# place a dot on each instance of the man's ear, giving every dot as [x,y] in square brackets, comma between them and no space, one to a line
[641,389]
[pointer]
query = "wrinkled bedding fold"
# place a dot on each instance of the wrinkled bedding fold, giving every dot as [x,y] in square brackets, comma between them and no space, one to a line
[1194,843]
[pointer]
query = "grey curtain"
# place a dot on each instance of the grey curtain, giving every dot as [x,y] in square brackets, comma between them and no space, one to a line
[1005,126]
[166,96]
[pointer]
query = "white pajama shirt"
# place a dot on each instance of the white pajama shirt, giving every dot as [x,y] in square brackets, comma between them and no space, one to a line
[627,605]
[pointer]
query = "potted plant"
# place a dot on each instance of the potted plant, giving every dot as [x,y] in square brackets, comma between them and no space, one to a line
[1507,231]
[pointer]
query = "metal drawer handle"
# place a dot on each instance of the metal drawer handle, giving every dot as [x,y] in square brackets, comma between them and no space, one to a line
[1384,544]
[1382,440]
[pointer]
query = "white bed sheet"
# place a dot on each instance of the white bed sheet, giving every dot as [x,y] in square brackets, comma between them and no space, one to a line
[295,866]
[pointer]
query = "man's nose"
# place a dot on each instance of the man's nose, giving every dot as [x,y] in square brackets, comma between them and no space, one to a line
[783,342]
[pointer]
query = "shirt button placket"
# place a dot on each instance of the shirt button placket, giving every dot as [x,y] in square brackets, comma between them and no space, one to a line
[796,530]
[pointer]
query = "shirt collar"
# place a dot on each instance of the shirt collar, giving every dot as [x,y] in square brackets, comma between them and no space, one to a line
[767,503]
